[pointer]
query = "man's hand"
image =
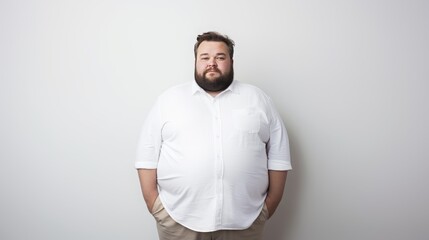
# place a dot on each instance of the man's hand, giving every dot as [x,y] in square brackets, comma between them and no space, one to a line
[149,187]
[277,180]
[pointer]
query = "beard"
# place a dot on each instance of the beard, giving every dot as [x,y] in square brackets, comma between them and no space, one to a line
[216,84]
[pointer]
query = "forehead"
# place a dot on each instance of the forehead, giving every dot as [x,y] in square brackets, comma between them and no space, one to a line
[212,47]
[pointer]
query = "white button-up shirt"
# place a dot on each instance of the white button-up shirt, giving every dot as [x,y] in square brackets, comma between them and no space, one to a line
[212,154]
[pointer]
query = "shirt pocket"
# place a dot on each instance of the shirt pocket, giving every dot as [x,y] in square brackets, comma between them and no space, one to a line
[247,120]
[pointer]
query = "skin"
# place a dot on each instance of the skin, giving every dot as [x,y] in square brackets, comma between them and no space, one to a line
[213,60]
[277,180]
[148,184]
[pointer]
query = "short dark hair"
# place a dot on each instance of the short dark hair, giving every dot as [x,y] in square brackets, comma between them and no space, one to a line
[215,37]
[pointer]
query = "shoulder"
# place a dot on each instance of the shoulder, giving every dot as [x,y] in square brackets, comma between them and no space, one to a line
[177,90]
[254,96]
[251,91]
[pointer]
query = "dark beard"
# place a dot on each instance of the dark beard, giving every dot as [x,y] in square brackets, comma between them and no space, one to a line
[216,85]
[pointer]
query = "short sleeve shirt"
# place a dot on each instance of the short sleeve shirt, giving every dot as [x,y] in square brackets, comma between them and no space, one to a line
[212,154]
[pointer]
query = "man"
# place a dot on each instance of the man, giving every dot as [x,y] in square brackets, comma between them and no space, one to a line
[213,154]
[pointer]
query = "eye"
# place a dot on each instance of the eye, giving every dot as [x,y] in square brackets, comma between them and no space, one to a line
[220,58]
[204,58]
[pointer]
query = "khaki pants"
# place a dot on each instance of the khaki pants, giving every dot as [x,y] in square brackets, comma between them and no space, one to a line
[168,229]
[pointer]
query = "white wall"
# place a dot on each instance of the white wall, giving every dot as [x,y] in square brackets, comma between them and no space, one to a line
[350,79]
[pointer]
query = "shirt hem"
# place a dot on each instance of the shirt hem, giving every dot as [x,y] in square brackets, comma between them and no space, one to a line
[196,229]
[145,165]
[279,165]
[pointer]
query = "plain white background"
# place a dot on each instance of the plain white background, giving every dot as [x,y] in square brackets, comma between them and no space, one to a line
[350,79]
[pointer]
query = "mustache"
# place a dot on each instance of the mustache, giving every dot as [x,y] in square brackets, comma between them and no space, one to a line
[212,69]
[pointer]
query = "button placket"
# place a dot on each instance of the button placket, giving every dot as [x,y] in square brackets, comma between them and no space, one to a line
[219,161]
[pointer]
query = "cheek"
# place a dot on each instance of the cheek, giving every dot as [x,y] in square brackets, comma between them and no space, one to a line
[199,68]
[200,65]
[224,67]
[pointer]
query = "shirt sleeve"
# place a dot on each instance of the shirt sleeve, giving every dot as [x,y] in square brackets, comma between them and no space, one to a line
[150,140]
[278,145]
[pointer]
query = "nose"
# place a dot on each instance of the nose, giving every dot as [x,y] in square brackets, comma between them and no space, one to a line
[212,62]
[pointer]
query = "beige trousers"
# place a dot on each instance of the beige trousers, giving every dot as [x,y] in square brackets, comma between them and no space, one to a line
[168,229]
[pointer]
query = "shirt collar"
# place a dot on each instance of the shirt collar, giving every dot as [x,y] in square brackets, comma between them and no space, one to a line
[232,88]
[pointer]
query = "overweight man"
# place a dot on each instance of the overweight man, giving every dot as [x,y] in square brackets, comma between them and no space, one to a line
[213,153]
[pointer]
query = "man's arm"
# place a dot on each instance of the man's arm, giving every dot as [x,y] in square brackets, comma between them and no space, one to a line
[148,185]
[277,180]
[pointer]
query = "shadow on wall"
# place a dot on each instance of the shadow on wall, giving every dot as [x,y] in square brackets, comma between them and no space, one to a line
[281,224]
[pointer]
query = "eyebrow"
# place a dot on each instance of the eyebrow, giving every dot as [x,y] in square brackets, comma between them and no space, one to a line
[217,54]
